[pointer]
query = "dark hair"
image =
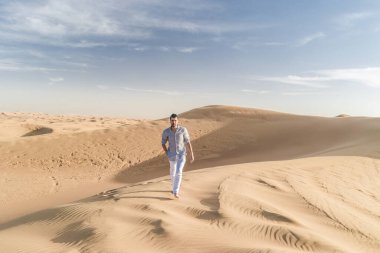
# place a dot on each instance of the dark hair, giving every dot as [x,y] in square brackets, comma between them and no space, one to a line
[173,116]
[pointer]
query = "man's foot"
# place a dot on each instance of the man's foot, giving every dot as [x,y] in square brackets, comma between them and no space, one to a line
[176,195]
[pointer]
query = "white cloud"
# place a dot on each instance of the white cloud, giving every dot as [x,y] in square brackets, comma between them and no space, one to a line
[30,59]
[170,93]
[14,65]
[311,81]
[58,18]
[164,49]
[56,79]
[293,93]
[140,49]
[245,44]
[325,78]
[144,21]
[88,23]
[307,39]
[6,65]
[86,44]
[261,92]
[187,49]
[240,45]
[349,19]
[366,76]
[58,41]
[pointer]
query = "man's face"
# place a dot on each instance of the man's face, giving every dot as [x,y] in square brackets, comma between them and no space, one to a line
[173,122]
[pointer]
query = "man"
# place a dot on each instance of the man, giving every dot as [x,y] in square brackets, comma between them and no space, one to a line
[178,139]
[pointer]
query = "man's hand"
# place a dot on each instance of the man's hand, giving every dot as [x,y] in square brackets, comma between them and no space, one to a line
[165,149]
[191,158]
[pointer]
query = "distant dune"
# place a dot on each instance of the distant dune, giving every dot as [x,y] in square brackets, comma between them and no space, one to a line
[37,130]
[263,181]
[342,115]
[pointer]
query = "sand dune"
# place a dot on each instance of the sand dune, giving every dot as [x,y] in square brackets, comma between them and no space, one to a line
[305,205]
[15,125]
[243,194]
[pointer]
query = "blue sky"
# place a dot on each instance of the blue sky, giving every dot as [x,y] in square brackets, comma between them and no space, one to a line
[149,58]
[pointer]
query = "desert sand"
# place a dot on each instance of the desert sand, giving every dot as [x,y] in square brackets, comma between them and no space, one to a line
[263,181]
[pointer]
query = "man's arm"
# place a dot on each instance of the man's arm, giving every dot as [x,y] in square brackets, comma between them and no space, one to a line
[163,142]
[188,144]
[165,148]
[191,151]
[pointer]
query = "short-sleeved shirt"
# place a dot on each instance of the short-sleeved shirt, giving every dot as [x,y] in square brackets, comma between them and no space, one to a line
[177,141]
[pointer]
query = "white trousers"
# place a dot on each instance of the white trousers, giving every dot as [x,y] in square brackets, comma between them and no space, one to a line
[176,168]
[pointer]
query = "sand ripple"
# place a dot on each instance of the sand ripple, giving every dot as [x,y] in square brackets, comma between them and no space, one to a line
[305,205]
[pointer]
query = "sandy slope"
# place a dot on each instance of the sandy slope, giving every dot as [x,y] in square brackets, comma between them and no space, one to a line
[60,167]
[38,154]
[308,205]
[329,203]
[16,125]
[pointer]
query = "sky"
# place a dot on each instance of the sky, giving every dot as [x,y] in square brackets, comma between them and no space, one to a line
[151,58]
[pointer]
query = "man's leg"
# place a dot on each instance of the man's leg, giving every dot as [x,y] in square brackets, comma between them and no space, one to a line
[173,165]
[178,174]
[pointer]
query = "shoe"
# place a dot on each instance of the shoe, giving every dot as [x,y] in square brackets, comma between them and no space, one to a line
[176,195]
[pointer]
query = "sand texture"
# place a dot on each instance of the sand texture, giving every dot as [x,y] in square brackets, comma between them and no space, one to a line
[262,181]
